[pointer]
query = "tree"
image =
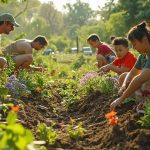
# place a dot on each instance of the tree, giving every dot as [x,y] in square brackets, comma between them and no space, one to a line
[53,18]
[78,14]
[107,10]
[116,25]
[6,1]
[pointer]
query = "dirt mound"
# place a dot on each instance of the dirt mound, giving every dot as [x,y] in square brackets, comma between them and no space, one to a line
[127,135]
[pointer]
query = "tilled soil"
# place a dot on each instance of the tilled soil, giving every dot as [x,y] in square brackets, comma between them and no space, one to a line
[91,110]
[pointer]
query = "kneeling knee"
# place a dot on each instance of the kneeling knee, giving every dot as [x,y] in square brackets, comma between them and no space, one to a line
[3,62]
[29,58]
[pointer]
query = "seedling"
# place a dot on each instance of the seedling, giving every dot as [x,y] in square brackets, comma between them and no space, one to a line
[145,120]
[46,133]
[75,131]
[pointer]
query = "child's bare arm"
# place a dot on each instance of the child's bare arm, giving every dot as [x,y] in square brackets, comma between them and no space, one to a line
[134,72]
[128,79]
[118,70]
[133,86]
[105,68]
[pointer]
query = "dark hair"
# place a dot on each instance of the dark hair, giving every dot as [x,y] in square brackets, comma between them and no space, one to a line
[41,39]
[1,22]
[112,37]
[93,37]
[120,41]
[139,31]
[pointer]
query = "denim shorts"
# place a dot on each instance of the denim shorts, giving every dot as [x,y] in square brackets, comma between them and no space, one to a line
[110,58]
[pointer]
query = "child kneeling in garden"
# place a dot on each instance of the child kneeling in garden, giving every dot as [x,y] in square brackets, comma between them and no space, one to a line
[124,61]
[139,76]
[104,54]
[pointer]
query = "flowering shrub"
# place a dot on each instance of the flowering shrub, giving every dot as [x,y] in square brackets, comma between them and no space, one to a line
[104,84]
[16,88]
[88,76]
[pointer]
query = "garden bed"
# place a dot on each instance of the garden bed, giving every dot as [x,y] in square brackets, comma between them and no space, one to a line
[90,110]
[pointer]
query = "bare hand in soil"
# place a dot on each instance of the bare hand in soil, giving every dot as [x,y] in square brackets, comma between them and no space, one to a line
[115,103]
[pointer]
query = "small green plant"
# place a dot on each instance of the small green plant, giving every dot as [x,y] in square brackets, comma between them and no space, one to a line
[145,120]
[3,93]
[14,136]
[79,62]
[46,133]
[46,93]
[100,83]
[33,80]
[62,74]
[69,91]
[75,131]
[3,80]
[11,65]
[106,85]
[129,99]
[27,79]
[5,107]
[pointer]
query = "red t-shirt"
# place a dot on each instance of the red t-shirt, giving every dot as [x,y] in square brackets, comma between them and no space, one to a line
[128,61]
[104,49]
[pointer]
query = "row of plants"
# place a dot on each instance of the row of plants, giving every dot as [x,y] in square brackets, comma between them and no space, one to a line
[72,86]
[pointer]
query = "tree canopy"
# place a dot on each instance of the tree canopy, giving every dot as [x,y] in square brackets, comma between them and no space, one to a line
[115,18]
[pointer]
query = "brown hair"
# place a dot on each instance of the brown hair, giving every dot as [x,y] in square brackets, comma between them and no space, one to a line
[41,39]
[112,38]
[93,37]
[139,31]
[120,41]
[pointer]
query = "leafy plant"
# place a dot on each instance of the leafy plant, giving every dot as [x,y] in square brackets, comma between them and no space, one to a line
[46,133]
[11,65]
[62,74]
[101,83]
[79,62]
[3,81]
[13,135]
[5,107]
[27,79]
[145,120]
[3,93]
[69,91]
[36,82]
[75,131]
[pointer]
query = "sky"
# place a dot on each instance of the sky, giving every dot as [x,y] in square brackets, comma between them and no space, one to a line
[59,3]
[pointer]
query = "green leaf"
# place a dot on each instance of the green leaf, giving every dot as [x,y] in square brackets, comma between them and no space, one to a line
[3,91]
[11,118]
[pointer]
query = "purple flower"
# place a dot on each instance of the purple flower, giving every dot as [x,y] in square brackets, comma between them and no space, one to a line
[23,86]
[87,77]
[9,86]
[12,77]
